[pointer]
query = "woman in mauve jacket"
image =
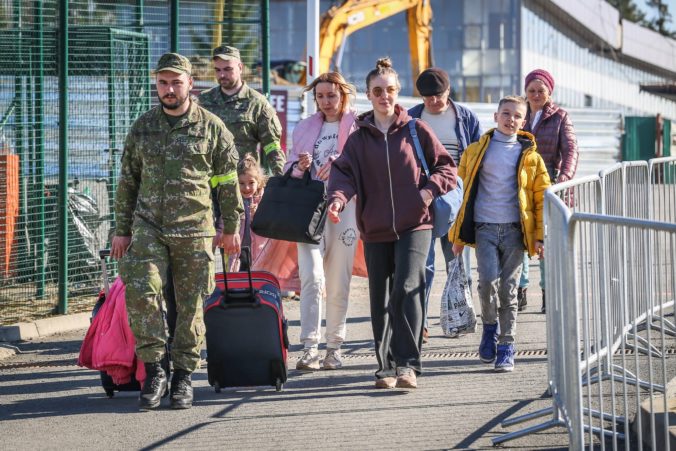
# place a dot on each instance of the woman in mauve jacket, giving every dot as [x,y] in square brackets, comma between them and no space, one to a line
[556,143]
[379,165]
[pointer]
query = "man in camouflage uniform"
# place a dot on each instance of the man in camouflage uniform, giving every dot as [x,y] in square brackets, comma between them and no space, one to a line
[247,113]
[172,155]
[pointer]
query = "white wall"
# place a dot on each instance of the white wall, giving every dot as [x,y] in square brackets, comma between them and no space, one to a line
[580,70]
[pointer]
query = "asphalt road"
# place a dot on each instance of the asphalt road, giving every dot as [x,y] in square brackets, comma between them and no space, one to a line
[47,402]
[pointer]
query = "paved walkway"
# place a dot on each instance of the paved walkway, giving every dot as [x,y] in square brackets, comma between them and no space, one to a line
[47,402]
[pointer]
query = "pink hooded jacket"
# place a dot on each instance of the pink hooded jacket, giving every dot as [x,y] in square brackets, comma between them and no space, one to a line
[305,135]
[306,132]
[109,344]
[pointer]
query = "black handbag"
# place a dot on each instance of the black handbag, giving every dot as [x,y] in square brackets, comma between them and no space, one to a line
[292,209]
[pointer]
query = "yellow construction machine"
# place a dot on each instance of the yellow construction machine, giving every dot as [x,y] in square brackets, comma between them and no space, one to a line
[342,20]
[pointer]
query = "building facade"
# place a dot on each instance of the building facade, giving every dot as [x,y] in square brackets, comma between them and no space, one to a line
[487,47]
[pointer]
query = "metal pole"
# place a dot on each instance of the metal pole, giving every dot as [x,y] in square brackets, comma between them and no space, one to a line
[265,24]
[139,16]
[174,25]
[312,48]
[217,36]
[63,157]
[112,128]
[230,38]
[19,97]
[40,150]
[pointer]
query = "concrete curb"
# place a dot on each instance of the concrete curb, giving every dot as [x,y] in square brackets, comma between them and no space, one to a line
[660,417]
[44,327]
[6,353]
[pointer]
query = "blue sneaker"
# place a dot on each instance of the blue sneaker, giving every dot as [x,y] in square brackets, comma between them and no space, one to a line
[489,341]
[505,360]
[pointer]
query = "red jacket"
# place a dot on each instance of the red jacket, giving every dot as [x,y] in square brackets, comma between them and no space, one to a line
[556,141]
[386,177]
[109,343]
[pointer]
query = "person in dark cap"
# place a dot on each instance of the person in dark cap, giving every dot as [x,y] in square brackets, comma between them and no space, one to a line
[556,141]
[456,127]
[247,113]
[173,154]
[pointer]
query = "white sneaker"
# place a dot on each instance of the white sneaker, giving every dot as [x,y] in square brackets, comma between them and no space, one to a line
[406,378]
[332,360]
[309,361]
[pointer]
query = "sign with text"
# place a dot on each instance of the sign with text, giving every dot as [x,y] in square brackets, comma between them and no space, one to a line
[279,101]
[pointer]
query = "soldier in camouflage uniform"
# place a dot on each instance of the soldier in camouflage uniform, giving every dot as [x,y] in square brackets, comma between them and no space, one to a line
[247,113]
[173,154]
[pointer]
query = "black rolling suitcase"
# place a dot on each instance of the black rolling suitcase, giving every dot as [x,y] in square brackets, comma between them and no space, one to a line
[106,381]
[246,331]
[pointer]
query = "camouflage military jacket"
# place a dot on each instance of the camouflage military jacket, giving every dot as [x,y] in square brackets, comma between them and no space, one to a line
[252,120]
[167,174]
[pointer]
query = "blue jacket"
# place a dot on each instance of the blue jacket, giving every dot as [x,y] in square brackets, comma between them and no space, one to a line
[467,127]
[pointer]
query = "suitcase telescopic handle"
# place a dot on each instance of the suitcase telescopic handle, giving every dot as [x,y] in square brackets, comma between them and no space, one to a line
[239,299]
[103,255]
[237,294]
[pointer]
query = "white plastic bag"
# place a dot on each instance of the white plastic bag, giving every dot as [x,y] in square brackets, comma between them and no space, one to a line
[457,313]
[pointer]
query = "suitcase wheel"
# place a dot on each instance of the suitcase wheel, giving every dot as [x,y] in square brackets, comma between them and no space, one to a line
[110,392]
[279,385]
[217,387]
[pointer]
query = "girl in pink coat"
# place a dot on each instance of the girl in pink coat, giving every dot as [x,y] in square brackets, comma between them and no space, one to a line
[317,142]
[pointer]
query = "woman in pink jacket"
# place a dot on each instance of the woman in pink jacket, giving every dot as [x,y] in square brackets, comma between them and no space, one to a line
[317,142]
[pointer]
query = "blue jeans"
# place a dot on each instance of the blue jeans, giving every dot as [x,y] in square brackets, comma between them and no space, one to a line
[499,255]
[525,280]
[447,249]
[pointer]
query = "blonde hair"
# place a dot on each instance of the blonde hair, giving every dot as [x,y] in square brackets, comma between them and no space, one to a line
[346,89]
[249,165]
[383,67]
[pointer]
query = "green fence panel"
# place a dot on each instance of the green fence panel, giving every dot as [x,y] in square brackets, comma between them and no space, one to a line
[666,138]
[28,133]
[109,87]
[113,45]
[639,138]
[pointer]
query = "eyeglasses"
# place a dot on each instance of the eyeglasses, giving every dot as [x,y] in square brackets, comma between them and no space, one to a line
[378,91]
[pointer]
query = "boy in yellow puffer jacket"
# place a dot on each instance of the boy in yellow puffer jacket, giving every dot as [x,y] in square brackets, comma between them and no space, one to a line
[501,215]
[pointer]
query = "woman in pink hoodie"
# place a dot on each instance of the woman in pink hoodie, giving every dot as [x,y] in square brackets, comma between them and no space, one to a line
[317,142]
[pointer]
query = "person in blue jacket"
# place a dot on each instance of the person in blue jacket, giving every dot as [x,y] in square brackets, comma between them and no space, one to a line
[456,127]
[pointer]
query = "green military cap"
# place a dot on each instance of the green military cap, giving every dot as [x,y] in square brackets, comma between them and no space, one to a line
[226,52]
[175,63]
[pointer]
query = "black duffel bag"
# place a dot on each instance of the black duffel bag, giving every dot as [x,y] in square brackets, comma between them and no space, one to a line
[292,209]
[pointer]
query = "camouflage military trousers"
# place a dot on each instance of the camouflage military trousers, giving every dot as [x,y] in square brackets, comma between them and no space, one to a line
[144,272]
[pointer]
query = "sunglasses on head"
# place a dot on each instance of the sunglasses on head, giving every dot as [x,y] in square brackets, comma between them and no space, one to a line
[378,91]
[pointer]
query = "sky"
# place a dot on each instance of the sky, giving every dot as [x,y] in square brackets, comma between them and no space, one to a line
[642,4]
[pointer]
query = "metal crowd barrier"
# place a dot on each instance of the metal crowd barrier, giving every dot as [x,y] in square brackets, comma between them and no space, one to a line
[611,282]
[663,194]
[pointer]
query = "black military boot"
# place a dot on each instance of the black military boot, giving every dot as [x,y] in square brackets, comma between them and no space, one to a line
[521,298]
[154,386]
[181,390]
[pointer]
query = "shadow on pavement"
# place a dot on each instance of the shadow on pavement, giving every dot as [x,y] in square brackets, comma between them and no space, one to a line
[46,383]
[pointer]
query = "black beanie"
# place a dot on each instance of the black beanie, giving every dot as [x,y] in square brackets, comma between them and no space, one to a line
[432,81]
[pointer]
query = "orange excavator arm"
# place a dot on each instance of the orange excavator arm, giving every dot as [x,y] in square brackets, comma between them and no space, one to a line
[419,21]
[352,15]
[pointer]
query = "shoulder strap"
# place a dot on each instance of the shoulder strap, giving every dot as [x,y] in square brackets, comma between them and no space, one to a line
[418,148]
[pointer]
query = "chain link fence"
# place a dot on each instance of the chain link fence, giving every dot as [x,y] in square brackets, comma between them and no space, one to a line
[113,46]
